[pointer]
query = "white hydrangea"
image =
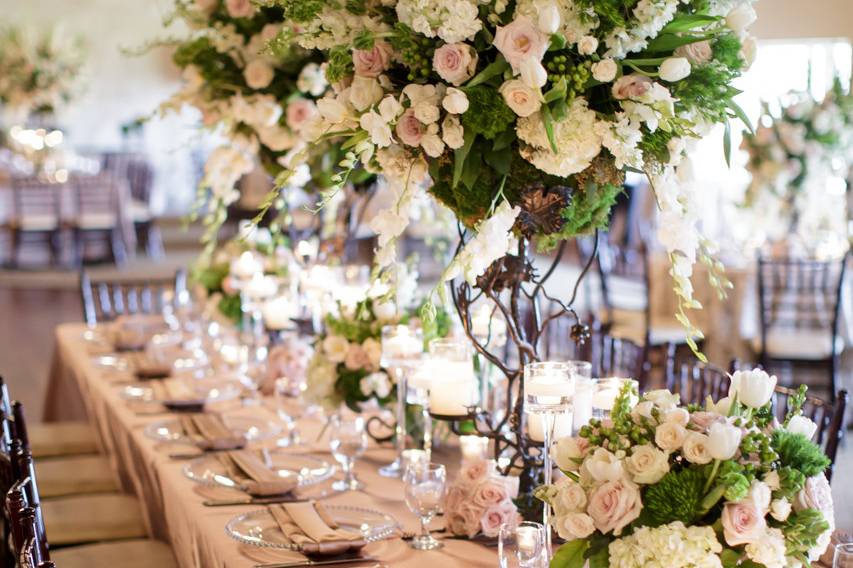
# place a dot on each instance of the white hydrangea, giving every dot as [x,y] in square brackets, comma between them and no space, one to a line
[650,18]
[575,22]
[577,139]
[672,546]
[334,26]
[321,377]
[492,241]
[451,20]
[621,139]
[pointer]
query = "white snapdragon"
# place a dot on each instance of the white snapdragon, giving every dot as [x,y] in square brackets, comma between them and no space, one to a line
[451,20]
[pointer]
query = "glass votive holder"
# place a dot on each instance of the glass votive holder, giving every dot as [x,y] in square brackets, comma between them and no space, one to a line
[414,457]
[453,386]
[605,393]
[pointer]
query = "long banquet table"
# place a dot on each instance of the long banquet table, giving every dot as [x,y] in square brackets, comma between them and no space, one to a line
[172,503]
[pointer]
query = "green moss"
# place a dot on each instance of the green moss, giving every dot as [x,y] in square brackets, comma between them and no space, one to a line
[588,210]
[487,112]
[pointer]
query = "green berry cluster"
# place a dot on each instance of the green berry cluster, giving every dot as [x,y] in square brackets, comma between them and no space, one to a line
[760,445]
[576,74]
[415,50]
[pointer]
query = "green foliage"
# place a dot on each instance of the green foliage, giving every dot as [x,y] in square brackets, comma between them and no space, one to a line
[737,484]
[570,555]
[487,113]
[611,13]
[301,10]
[415,51]
[791,481]
[340,64]
[799,453]
[436,326]
[211,277]
[707,90]
[726,49]
[803,529]
[588,210]
[795,403]
[654,145]
[229,306]
[356,329]
[677,497]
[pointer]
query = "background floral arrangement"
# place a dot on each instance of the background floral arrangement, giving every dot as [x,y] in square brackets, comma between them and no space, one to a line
[792,155]
[521,117]
[725,485]
[480,500]
[38,75]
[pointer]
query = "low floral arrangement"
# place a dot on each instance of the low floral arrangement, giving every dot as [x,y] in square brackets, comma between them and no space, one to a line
[480,500]
[40,75]
[287,361]
[792,156]
[345,367]
[725,485]
[212,274]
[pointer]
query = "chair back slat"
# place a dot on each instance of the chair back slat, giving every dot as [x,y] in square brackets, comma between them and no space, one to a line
[34,197]
[105,300]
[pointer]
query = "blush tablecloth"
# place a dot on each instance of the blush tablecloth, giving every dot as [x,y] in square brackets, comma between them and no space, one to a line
[172,504]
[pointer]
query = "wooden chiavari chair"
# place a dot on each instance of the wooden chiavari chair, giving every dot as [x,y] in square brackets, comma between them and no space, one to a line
[36,216]
[106,299]
[97,217]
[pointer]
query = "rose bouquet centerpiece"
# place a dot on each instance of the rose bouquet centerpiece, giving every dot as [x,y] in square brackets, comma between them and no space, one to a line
[521,117]
[793,155]
[40,75]
[480,501]
[658,484]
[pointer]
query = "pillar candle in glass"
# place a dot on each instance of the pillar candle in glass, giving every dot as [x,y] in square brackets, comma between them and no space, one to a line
[278,313]
[473,448]
[453,387]
[581,371]
[606,391]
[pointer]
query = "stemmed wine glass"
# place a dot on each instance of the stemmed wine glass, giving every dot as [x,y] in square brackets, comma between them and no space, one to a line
[524,543]
[283,391]
[348,441]
[425,485]
[843,555]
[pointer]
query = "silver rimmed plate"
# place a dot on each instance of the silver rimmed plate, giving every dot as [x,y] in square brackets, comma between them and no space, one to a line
[308,470]
[259,528]
[208,391]
[170,430]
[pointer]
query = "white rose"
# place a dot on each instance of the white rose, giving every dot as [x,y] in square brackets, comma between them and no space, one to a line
[258,74]
[426,112]
[603,465]
[697,53]
[647,464]
[739,19]
[574,525]
[523,100]
[604,71]
[432,145]
[452,132]
[365,92]
[677,415]
[570,497]
[373,348]
[780,509]
[549,18]
[335,347]
[760,494]
[533,74]
[695,449]
[723,440]
[455,101]
[567,453]
[670,436]
[802,425]
[752,388]
[674,69]
[587,45]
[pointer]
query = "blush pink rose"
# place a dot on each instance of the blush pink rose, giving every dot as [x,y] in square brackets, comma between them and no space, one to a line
[496,516]
[631,86]
[455,62]
[817,495]
[453,499]
[228,286]
[409,129]
[520,40]
[300,111]
[465,520]
[474,471]
[742,522]
[702,420]
[240,8]
[614,504]
[372,62]
[356,357]
[489,493]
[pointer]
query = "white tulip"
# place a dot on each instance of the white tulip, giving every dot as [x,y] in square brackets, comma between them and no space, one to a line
[760,494]
[723,440]
[455,101]
[603,466]
[533,74]
[721,407]
[549,18]
[674,69]
[752,388]
[802,425]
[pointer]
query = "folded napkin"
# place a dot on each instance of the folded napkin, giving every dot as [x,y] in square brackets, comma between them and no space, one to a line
[249,470]
[173,392]
[310,526]
[207,432]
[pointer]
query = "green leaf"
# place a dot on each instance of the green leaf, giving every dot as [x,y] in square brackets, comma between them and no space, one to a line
[557,92]
[558,42]
[570,555]
[471,170]
[354,140]
[741,115]
[460,154]
[548,121]
[493,69]
[729,558]
[668,42]
[727,144]
[500,160]
[504,139]
[689,22]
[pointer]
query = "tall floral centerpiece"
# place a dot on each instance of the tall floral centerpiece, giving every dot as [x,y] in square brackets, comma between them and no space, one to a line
[794,156]
[664,485]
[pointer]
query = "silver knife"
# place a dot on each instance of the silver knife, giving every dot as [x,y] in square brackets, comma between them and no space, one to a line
[330,562]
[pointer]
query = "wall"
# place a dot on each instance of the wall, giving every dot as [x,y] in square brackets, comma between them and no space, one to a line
[786,19]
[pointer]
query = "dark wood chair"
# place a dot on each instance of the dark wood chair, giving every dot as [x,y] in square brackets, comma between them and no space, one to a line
[799,307]
[106,299]
[693,380]
[97,218]
[36,216]
[136,169]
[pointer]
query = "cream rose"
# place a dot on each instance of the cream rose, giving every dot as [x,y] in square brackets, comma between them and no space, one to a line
[647,464]
[455,62]
[572,526]
[373,349]
[409,129]
[742,522]
[365,92]
[568,452]
[614,505]
[780,509]
[496,516]
[489,493]
[426,112]
[695,449]
[372,62]
[604,71]
[816,494]
[335,348]
[570,497]
[677,415]
[670,436]
[356,358]
[258,74]
[523,100]
[455,101]
[587,45]
[519,40]
[697,53]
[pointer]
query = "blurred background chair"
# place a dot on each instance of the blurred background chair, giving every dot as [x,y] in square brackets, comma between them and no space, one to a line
[97,219]
[36,216]
[106,299]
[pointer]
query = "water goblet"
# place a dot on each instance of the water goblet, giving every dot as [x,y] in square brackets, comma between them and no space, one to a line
[348,440]
[425,485]
[843,555]
[522,546]
[283,393]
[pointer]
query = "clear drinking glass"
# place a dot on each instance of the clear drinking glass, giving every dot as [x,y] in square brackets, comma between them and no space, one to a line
[348,441]
[522,546]
[283,391]
[402,349]
[425,484]
[843,555]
